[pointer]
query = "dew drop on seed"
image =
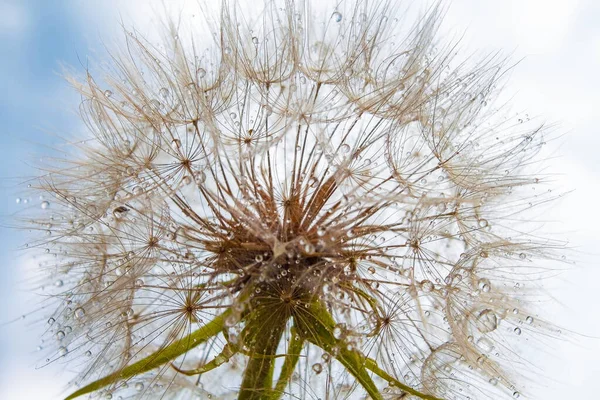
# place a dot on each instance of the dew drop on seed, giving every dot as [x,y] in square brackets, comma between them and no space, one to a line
[186,180]
[345,148]
[107,93]
[60,335]
[258,258]
[485,344]
[88,353]
[18,200]
[522,256]
[79,313]
[45,204]
[164,93]
[199,177]
[487,321]
[58,283]
[529,320]
[338,331]
[484,285]
[201,72]
[516,395]
[139,386]
[337,16]
[255,40]
[426,286]
[175,144]
[517,331]
[371,269]
[51,321]
[62,351]
[318,368]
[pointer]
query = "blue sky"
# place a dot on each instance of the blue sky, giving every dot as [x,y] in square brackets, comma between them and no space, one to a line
[558,43]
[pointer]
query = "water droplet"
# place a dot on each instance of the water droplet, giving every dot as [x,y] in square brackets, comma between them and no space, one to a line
[175,144]
[487,321]
[516,395]
[186,180]
[338,331]
[58,283]
[337,16]
[371,269]
[517,331]
[18,200]
[164,93]
[45,204]
[60,335]
[62,351]
[522,256]
[199,177]
[318,368]
[426,286]
[258,258]
[230,321]
[485,344]
[107,93]
[484,285]
[529,320]
[88,353]
[79,313]
[345,148]
[201,72]
[51,321]
[120,211]
[255,40]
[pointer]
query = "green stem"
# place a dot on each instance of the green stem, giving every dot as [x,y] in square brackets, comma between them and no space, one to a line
[263,331]
[160,357]
[291,359]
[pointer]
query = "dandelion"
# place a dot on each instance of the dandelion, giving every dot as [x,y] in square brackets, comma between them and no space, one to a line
[318,205]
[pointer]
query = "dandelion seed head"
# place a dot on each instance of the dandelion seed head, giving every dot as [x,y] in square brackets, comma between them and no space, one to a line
[303,166]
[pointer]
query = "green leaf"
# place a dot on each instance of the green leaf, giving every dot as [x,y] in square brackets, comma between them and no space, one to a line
[227,352]
[160,357]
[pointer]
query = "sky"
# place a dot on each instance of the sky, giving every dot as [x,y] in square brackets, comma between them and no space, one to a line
[557,44]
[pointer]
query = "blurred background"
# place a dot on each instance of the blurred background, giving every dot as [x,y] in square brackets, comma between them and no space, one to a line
[556,44]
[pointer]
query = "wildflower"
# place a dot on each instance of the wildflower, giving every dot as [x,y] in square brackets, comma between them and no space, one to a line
[313,208]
